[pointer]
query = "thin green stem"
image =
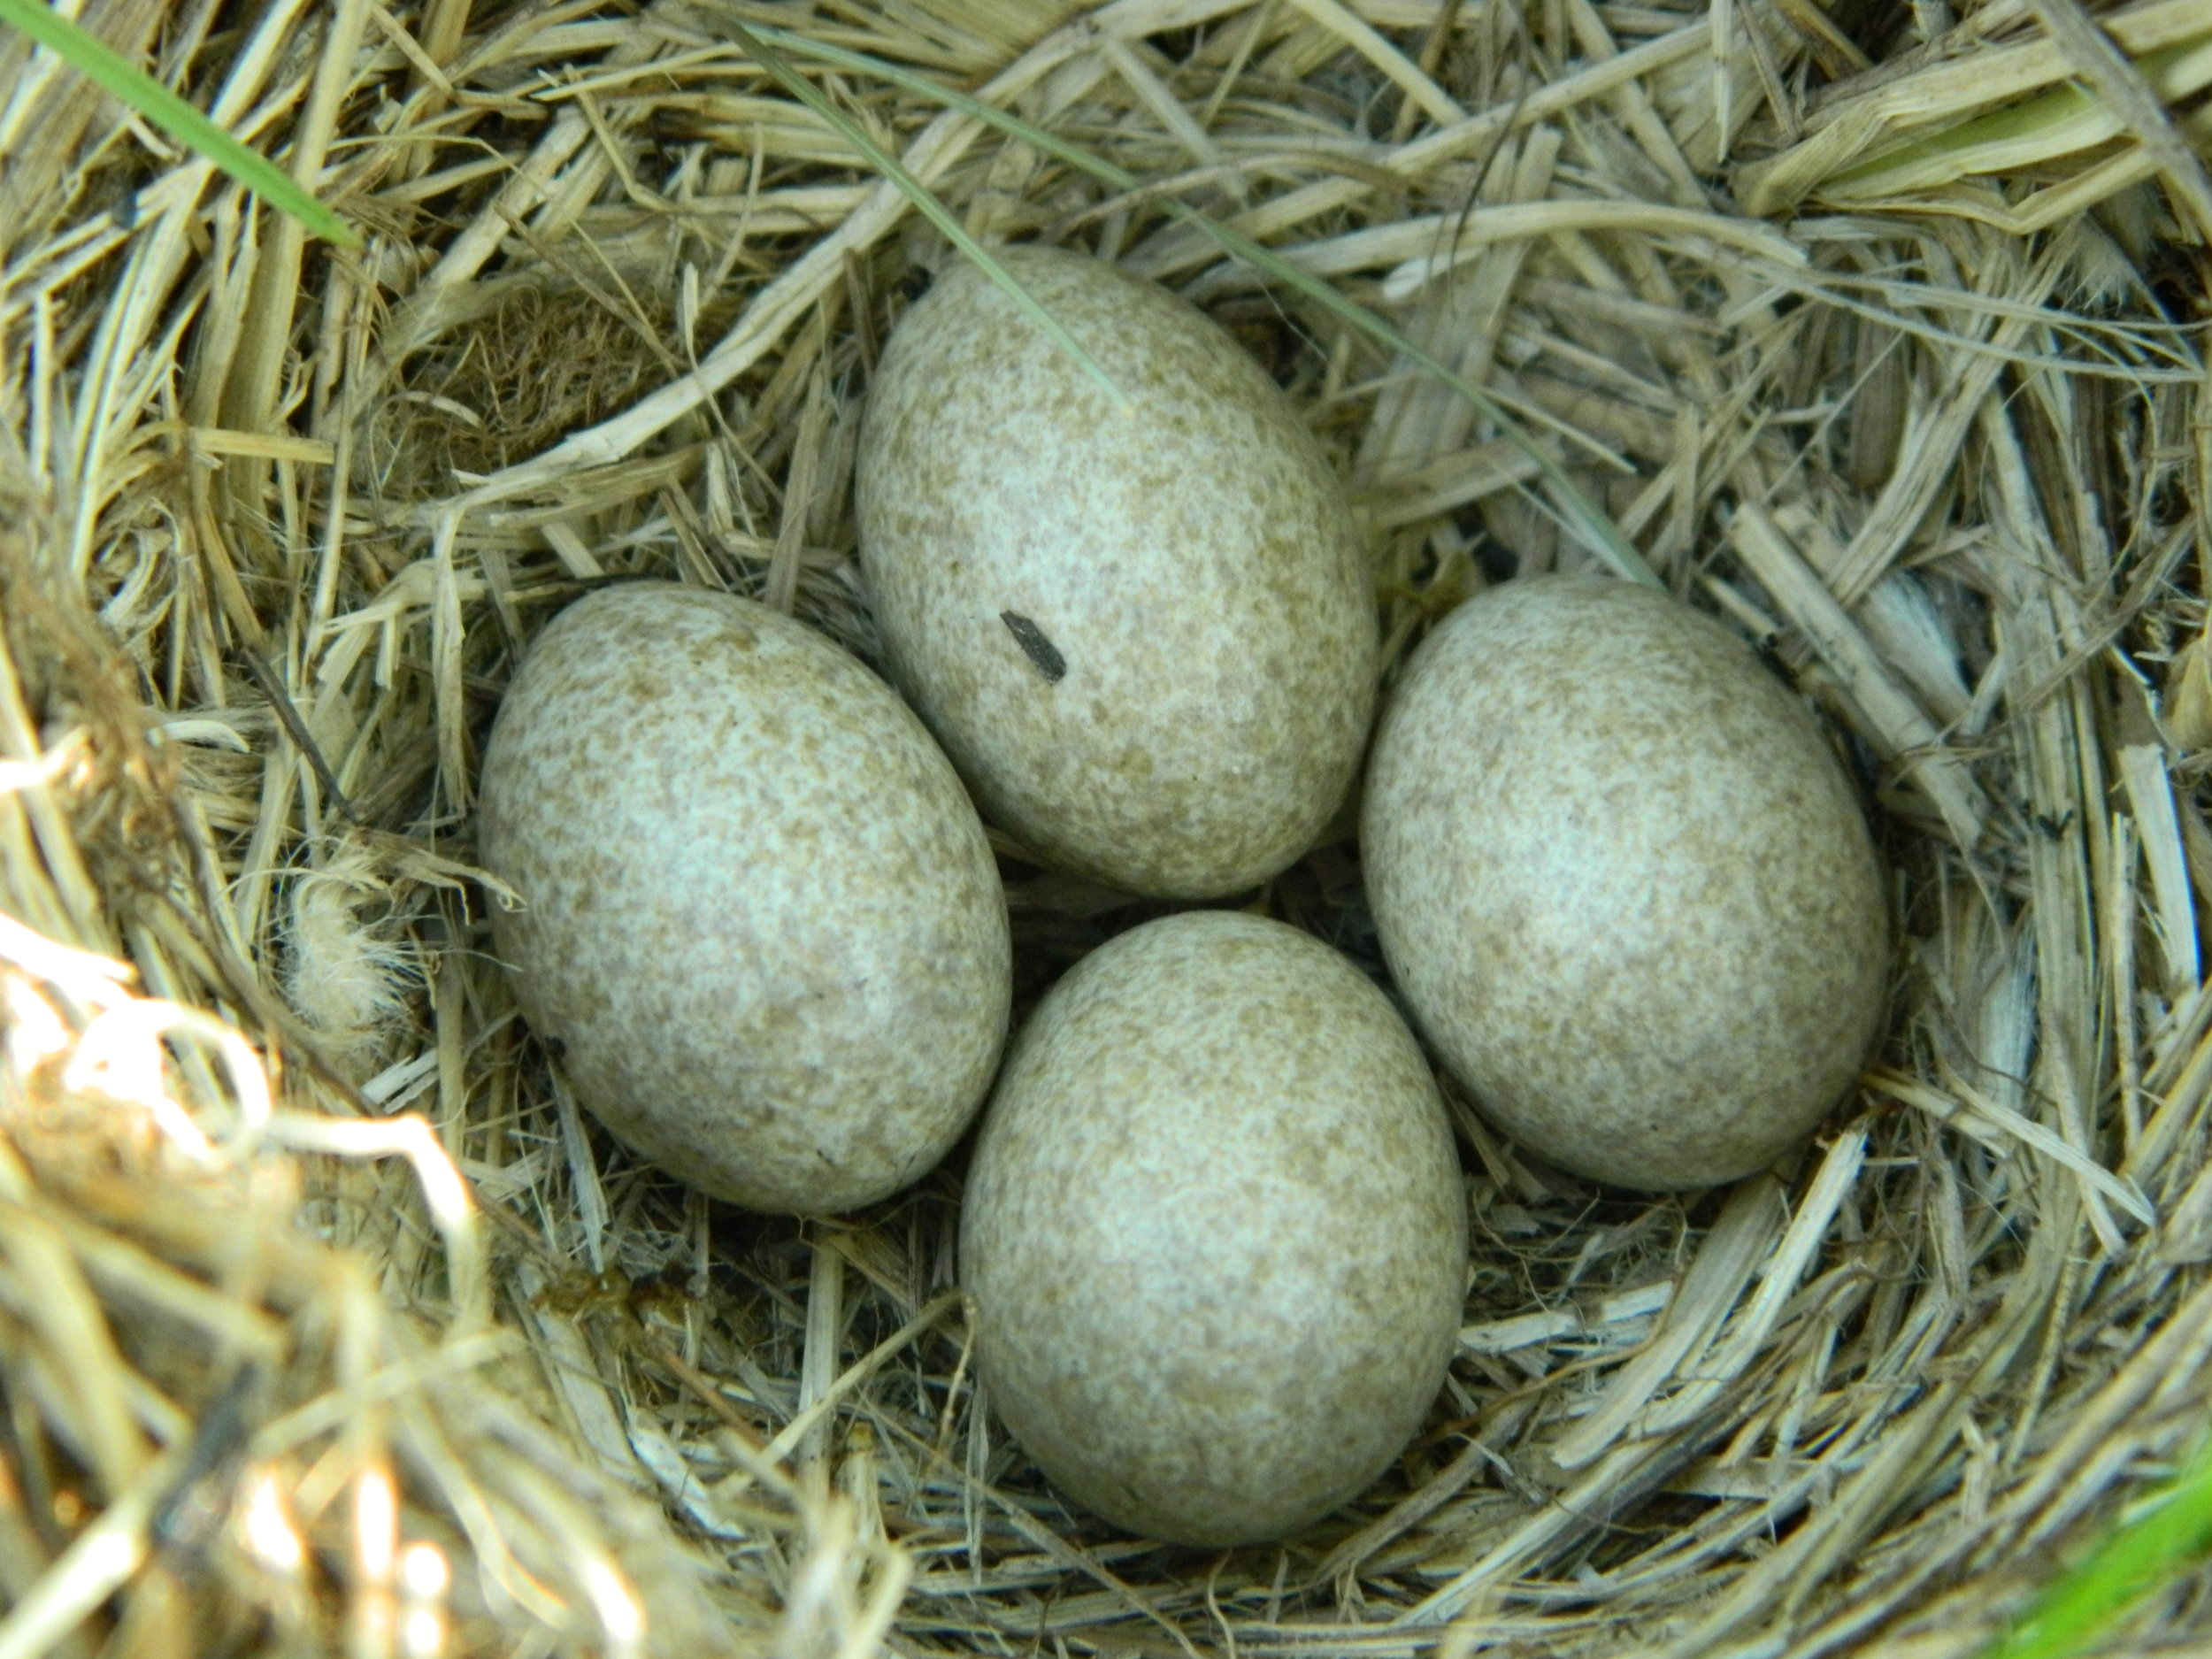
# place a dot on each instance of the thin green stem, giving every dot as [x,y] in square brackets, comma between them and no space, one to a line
[754,41]
[102,63]
[1583,517]
[2139,1556]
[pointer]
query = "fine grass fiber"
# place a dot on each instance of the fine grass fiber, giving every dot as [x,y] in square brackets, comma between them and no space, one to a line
[329,1322]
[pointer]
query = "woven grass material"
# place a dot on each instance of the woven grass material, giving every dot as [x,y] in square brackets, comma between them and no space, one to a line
[406,1357]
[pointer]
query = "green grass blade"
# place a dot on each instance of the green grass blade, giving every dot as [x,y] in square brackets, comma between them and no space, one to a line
[2062,121]
[101,63]
[1593,527]
[923,199]
[2136,1558]
[1581,516]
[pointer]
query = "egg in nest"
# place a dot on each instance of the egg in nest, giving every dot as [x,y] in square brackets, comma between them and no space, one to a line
[1623,883]
[1145,632]
[1214,1231]
[760,917]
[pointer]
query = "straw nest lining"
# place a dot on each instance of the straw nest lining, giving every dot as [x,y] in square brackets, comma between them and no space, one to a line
[274,522]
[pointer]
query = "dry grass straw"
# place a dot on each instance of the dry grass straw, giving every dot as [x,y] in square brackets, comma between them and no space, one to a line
[274,524]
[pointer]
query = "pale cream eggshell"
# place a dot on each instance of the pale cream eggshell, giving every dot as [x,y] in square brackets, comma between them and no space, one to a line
[1146,635]
[1214,1231]
[760,917]
[1626,888]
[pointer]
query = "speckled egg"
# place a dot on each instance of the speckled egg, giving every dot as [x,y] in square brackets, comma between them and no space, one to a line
[1146,635]
[1214,1231]
[760,922]
[1624,883]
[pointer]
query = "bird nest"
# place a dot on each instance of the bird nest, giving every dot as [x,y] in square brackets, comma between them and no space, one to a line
[327,1322]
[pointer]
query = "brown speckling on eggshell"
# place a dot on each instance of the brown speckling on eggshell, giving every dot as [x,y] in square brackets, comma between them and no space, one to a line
[760,914]
[1191,561]
[1214,1231]
[1624,883]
